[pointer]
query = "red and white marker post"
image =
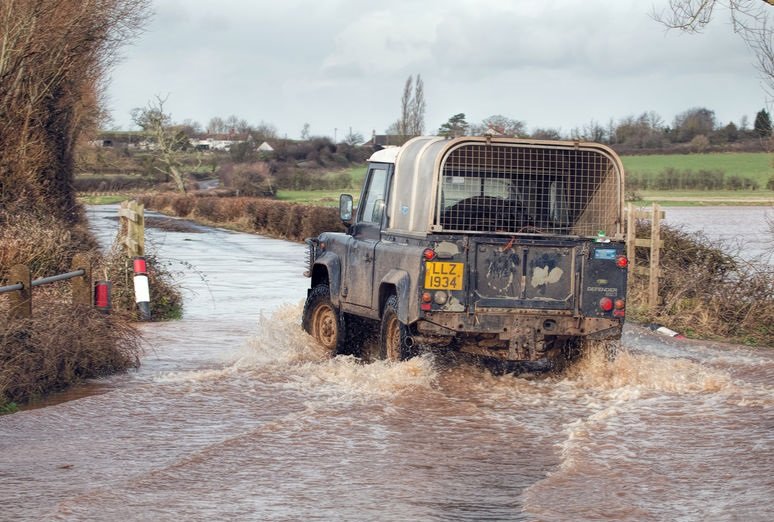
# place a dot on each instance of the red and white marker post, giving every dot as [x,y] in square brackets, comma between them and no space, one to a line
[141,290]
[102,296]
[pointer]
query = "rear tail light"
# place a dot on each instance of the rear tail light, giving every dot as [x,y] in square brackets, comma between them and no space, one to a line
[428,254]
[606,304]
[426,297]
[622,262]
[620,304]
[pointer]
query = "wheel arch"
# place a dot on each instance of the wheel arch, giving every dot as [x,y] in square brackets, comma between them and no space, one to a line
[327,270]
[397,282]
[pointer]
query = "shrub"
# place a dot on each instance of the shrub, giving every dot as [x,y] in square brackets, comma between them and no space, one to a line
[61,345]
[266,216]
[705,291]
[166,300]
[43,243]
[183,205]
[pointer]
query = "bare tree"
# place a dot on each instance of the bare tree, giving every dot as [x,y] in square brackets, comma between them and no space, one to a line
[417,121]
[500,125]
[264,131]
[353,138]
[234,124]
[169,141]
[749,19]
[405,107]
[412,109]
[591,131]
[216,125]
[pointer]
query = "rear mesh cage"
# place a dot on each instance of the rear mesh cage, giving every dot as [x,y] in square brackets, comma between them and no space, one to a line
[518,188]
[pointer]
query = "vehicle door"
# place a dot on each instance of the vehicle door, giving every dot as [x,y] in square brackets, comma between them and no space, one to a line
[357,288]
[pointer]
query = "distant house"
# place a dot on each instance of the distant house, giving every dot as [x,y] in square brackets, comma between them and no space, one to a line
[380,141]
[221,142]
[118,139]
[265,147]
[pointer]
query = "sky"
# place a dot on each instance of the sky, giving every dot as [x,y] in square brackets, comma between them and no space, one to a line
[341,64]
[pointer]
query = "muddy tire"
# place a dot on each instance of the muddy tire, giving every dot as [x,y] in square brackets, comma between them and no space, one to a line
[393,335]
[323,321]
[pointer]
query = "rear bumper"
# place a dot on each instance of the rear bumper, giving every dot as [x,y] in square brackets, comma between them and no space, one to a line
[513,335]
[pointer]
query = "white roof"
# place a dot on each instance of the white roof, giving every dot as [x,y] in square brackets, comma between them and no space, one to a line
[386,155]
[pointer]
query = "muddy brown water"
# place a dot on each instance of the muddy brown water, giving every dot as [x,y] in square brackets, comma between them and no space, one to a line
[235,414]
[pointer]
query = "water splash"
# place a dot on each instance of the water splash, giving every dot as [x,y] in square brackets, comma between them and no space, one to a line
[646,372]
[282,348]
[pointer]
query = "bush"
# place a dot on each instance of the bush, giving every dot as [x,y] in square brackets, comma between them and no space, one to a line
[166,300]
[62,345]
[705,291]
[182,206]
[111,183]
[43,243]
[265,216]
[674,179]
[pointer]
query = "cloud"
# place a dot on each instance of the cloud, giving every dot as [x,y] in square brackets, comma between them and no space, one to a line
[343,63]
[382,43]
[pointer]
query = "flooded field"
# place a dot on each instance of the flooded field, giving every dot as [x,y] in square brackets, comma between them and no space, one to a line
[742,229]
[237,415]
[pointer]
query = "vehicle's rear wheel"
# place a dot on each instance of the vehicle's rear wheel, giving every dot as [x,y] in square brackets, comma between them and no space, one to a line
[323,321]
[394,335]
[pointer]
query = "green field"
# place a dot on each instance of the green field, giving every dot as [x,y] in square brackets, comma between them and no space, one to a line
[328,198]
[753,165]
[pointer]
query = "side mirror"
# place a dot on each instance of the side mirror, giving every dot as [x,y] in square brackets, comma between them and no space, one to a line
[345,207]
[376,216]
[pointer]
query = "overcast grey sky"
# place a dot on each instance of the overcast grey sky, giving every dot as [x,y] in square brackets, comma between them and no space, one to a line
[337,64]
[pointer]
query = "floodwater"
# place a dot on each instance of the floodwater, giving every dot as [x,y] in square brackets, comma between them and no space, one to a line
[235,414]
[742,230]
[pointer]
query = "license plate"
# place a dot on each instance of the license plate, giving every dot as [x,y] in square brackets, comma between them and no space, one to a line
[443,276]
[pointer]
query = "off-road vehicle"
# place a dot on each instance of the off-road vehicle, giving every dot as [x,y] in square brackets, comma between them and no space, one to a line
[509,249]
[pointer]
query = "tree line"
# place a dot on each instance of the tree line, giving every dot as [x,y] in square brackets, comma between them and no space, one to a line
[697,127]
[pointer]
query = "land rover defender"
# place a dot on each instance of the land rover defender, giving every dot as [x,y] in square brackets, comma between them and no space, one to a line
[504,248]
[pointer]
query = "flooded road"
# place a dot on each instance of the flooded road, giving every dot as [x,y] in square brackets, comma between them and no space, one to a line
[237,415]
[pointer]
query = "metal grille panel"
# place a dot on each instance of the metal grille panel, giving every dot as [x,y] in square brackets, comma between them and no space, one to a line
[517,188]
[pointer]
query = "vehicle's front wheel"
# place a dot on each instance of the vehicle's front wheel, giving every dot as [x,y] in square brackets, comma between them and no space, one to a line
[323,321]
[394,336]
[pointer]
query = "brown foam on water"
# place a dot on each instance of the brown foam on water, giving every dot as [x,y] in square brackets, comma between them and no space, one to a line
[646,372]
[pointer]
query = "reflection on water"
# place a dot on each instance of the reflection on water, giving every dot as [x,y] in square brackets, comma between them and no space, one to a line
[237,414]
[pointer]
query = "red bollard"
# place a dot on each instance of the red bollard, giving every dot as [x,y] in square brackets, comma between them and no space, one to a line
[102,296]
[141,290]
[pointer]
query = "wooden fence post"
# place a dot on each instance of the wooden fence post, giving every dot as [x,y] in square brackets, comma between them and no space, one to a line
[631,235]
[83,292]
[21,300]
[132,215]
[654,243]
[655,256]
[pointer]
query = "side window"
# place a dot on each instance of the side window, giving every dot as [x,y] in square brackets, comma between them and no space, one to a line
[372,205]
